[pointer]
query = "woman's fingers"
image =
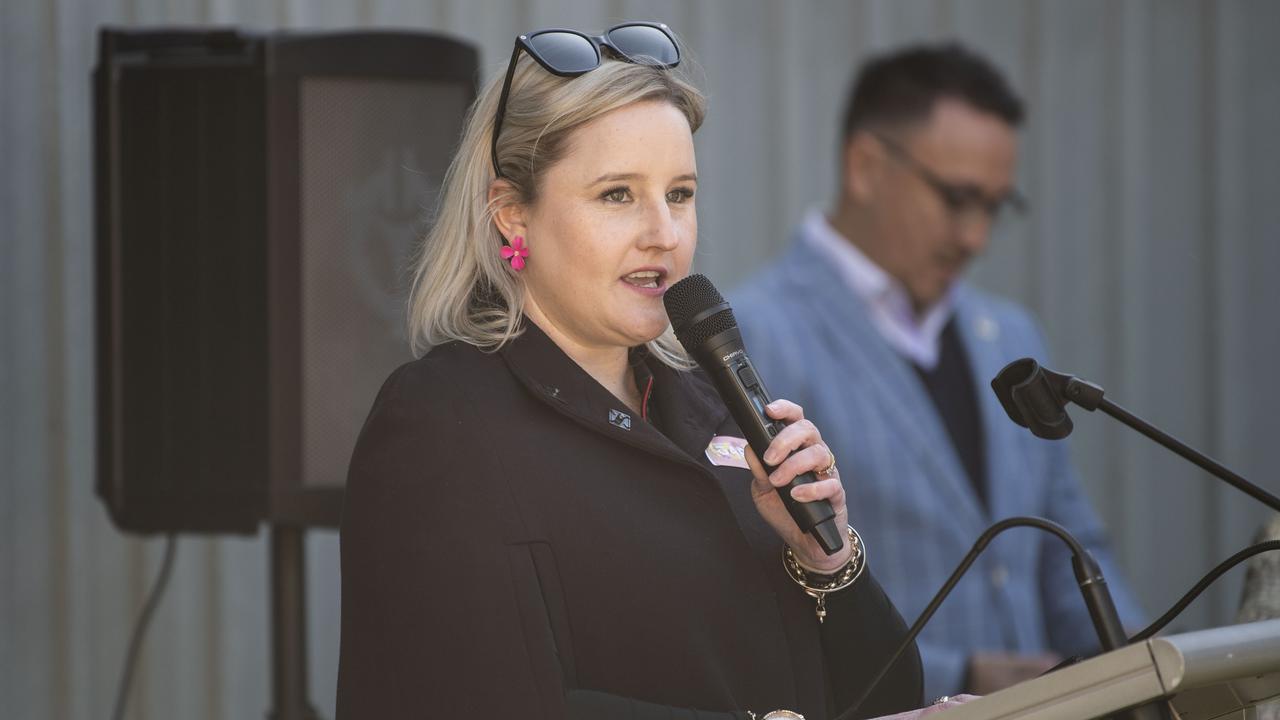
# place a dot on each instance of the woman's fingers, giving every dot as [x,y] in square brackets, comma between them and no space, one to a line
[826,488]
[796,449]
[810,459]
[830,489]
[813,458]
[797,433]
[785,410]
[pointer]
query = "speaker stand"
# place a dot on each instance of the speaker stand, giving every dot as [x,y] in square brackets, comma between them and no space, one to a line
[289,626]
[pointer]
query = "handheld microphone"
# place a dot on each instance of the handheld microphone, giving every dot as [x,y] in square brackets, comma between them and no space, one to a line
[705,326]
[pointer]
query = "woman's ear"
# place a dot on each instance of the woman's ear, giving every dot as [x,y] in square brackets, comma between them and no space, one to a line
[509,213]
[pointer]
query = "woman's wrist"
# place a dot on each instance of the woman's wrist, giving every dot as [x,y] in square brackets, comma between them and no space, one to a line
[816,584]
[827,564]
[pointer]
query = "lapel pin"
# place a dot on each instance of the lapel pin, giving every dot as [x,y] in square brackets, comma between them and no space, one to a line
[987,328]
[617,418]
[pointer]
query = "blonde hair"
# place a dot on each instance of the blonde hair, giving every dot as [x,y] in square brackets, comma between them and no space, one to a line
[462,289]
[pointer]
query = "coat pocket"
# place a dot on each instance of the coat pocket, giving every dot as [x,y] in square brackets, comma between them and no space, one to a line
[544,618]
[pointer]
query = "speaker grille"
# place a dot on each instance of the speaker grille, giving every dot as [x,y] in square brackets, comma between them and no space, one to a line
[371,159]
[256,199]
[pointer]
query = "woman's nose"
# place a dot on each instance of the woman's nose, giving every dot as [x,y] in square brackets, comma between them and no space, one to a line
[660,230]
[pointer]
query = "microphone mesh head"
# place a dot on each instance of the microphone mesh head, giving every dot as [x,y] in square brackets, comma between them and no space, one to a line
[686,300]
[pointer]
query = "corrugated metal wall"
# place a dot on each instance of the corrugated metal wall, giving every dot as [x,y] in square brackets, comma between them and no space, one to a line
[1151,160]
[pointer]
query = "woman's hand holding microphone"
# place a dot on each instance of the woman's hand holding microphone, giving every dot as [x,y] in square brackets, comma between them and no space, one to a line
[801,441]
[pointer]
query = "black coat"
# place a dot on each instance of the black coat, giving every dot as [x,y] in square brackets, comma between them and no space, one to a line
[509,552]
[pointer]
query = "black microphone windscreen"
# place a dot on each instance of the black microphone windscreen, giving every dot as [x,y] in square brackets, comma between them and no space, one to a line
[1002,384]
[688,303]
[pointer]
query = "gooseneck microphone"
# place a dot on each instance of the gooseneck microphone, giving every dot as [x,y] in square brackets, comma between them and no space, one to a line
[1036,398]
[705,326]
[1093,589]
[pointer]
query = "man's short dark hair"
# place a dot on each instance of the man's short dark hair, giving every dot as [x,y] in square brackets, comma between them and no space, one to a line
[901,87]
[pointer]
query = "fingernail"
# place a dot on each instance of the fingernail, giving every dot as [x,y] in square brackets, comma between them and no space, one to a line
[793,493]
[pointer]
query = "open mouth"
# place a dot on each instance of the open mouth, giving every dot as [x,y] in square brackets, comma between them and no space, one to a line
[647,279]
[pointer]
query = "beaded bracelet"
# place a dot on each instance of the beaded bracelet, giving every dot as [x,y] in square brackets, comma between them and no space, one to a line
[817,585]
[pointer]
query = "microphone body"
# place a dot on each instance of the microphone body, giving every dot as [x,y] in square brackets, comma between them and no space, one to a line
[705,326]
[725,361]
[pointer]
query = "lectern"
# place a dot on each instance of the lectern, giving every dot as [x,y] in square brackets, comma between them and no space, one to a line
[1205,675]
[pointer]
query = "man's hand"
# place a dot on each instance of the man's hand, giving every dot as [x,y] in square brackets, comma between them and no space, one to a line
[992,671]
[936,707]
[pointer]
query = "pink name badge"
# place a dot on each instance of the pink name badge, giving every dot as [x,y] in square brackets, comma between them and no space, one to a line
[727,451]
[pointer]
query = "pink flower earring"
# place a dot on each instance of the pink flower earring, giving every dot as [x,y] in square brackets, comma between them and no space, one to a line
[516,252]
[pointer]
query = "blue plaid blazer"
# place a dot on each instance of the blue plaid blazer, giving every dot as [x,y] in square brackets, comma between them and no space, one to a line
[813,342]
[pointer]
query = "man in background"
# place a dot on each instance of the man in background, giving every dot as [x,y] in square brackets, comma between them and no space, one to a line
[865,323]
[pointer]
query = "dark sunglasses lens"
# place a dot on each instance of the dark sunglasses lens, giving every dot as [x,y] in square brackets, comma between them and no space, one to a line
[644,44]
[566,52]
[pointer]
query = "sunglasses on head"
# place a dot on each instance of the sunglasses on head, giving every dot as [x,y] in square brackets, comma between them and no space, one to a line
[569,53]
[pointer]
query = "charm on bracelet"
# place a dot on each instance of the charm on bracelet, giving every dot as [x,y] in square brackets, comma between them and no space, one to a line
[817,585]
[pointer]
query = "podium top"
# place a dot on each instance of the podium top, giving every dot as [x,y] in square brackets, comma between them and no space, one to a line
[1207,674]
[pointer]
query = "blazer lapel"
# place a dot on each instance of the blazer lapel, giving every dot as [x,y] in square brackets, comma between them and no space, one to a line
[898,392]
[981,332]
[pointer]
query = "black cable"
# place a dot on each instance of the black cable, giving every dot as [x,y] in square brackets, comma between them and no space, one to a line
[1205,582]
[981,544]
[985,539]
[140,627]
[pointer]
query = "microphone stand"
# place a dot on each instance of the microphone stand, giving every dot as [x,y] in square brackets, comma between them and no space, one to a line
[1035,397]
[1093,588]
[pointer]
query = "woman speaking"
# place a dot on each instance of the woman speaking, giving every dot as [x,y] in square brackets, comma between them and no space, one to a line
[548,514]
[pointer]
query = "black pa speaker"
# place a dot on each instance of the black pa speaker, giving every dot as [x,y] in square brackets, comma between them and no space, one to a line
[257,200]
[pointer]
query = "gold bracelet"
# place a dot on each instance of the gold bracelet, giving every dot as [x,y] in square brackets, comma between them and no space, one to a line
[817,585]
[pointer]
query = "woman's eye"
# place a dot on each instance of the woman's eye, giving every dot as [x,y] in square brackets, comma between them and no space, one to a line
[680,195]
[617,195]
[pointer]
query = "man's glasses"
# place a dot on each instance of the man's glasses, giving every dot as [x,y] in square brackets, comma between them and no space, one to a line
[569,53]
[963,201]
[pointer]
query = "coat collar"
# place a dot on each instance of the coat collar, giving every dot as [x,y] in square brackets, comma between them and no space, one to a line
[690,410]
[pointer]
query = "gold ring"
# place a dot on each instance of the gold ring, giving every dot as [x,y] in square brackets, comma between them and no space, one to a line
[831,465]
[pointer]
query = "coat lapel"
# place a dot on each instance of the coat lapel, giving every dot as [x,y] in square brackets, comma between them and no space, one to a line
[896,390]
[692,413]
[704,412]
[554,378]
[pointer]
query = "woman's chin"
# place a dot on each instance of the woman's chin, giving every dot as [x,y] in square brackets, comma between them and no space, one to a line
[647,328]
